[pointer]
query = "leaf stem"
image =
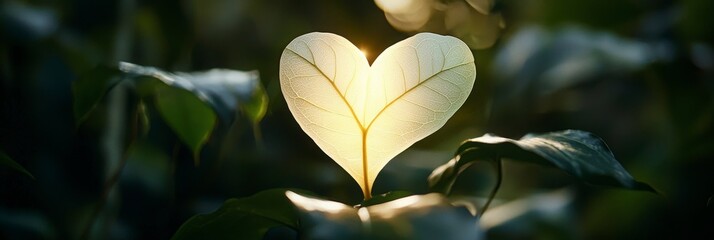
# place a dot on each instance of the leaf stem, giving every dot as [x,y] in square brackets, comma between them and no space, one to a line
[111,180]
[499,179]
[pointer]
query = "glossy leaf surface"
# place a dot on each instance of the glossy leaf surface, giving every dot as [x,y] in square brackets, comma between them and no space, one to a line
[579,153]
[430,216]
[244,218]
[190,103]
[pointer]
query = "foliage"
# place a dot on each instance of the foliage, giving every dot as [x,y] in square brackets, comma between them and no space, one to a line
[111,160]
[427,216]
[188,102]
[245,218]
[579,153]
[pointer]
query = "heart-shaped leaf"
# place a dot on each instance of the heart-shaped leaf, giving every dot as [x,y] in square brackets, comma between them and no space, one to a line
[363,116]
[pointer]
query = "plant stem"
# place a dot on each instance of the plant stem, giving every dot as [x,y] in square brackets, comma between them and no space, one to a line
[111,180]
[499,179]
[108,187]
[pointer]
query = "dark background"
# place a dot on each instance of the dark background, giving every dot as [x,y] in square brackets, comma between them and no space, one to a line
[639,74]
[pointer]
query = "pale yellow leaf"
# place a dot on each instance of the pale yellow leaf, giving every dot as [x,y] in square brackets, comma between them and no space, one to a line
[363,116]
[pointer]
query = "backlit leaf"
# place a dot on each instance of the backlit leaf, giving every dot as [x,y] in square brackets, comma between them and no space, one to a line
[363,116]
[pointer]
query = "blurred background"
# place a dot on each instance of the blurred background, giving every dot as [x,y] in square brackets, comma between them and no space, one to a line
[637,73]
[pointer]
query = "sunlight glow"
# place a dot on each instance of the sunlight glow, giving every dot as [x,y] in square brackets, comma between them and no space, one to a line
[550,203]
[364,217]
[311,204]
[364,52]
[362,116]
[390,209]
[399,6]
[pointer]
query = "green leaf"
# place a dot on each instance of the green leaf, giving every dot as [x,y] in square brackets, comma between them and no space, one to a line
[382,198]
[90,88]
[190,118]
[257,105]
[222,89]
[245,218]
[580,154]
[190,103]
[255,109]
[6,161]
[430,216]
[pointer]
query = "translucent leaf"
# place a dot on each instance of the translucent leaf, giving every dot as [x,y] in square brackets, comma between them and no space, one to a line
[363,116]
[580,154]
[257,105]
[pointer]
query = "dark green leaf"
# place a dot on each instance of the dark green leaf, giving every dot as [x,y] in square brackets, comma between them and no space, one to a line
[91,87]
[581,154]
[148,165]
[222,89]
[430,216]
[189,105]
[6,161]
[190,118]
[382,198]
[245,218]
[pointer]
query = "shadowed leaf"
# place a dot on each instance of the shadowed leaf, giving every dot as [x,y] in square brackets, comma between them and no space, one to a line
[190,103]
[90,88]
[382,198]
[580,154]
[244,218]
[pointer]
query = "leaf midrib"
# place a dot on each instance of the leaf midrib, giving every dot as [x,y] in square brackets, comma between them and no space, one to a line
[366,191]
